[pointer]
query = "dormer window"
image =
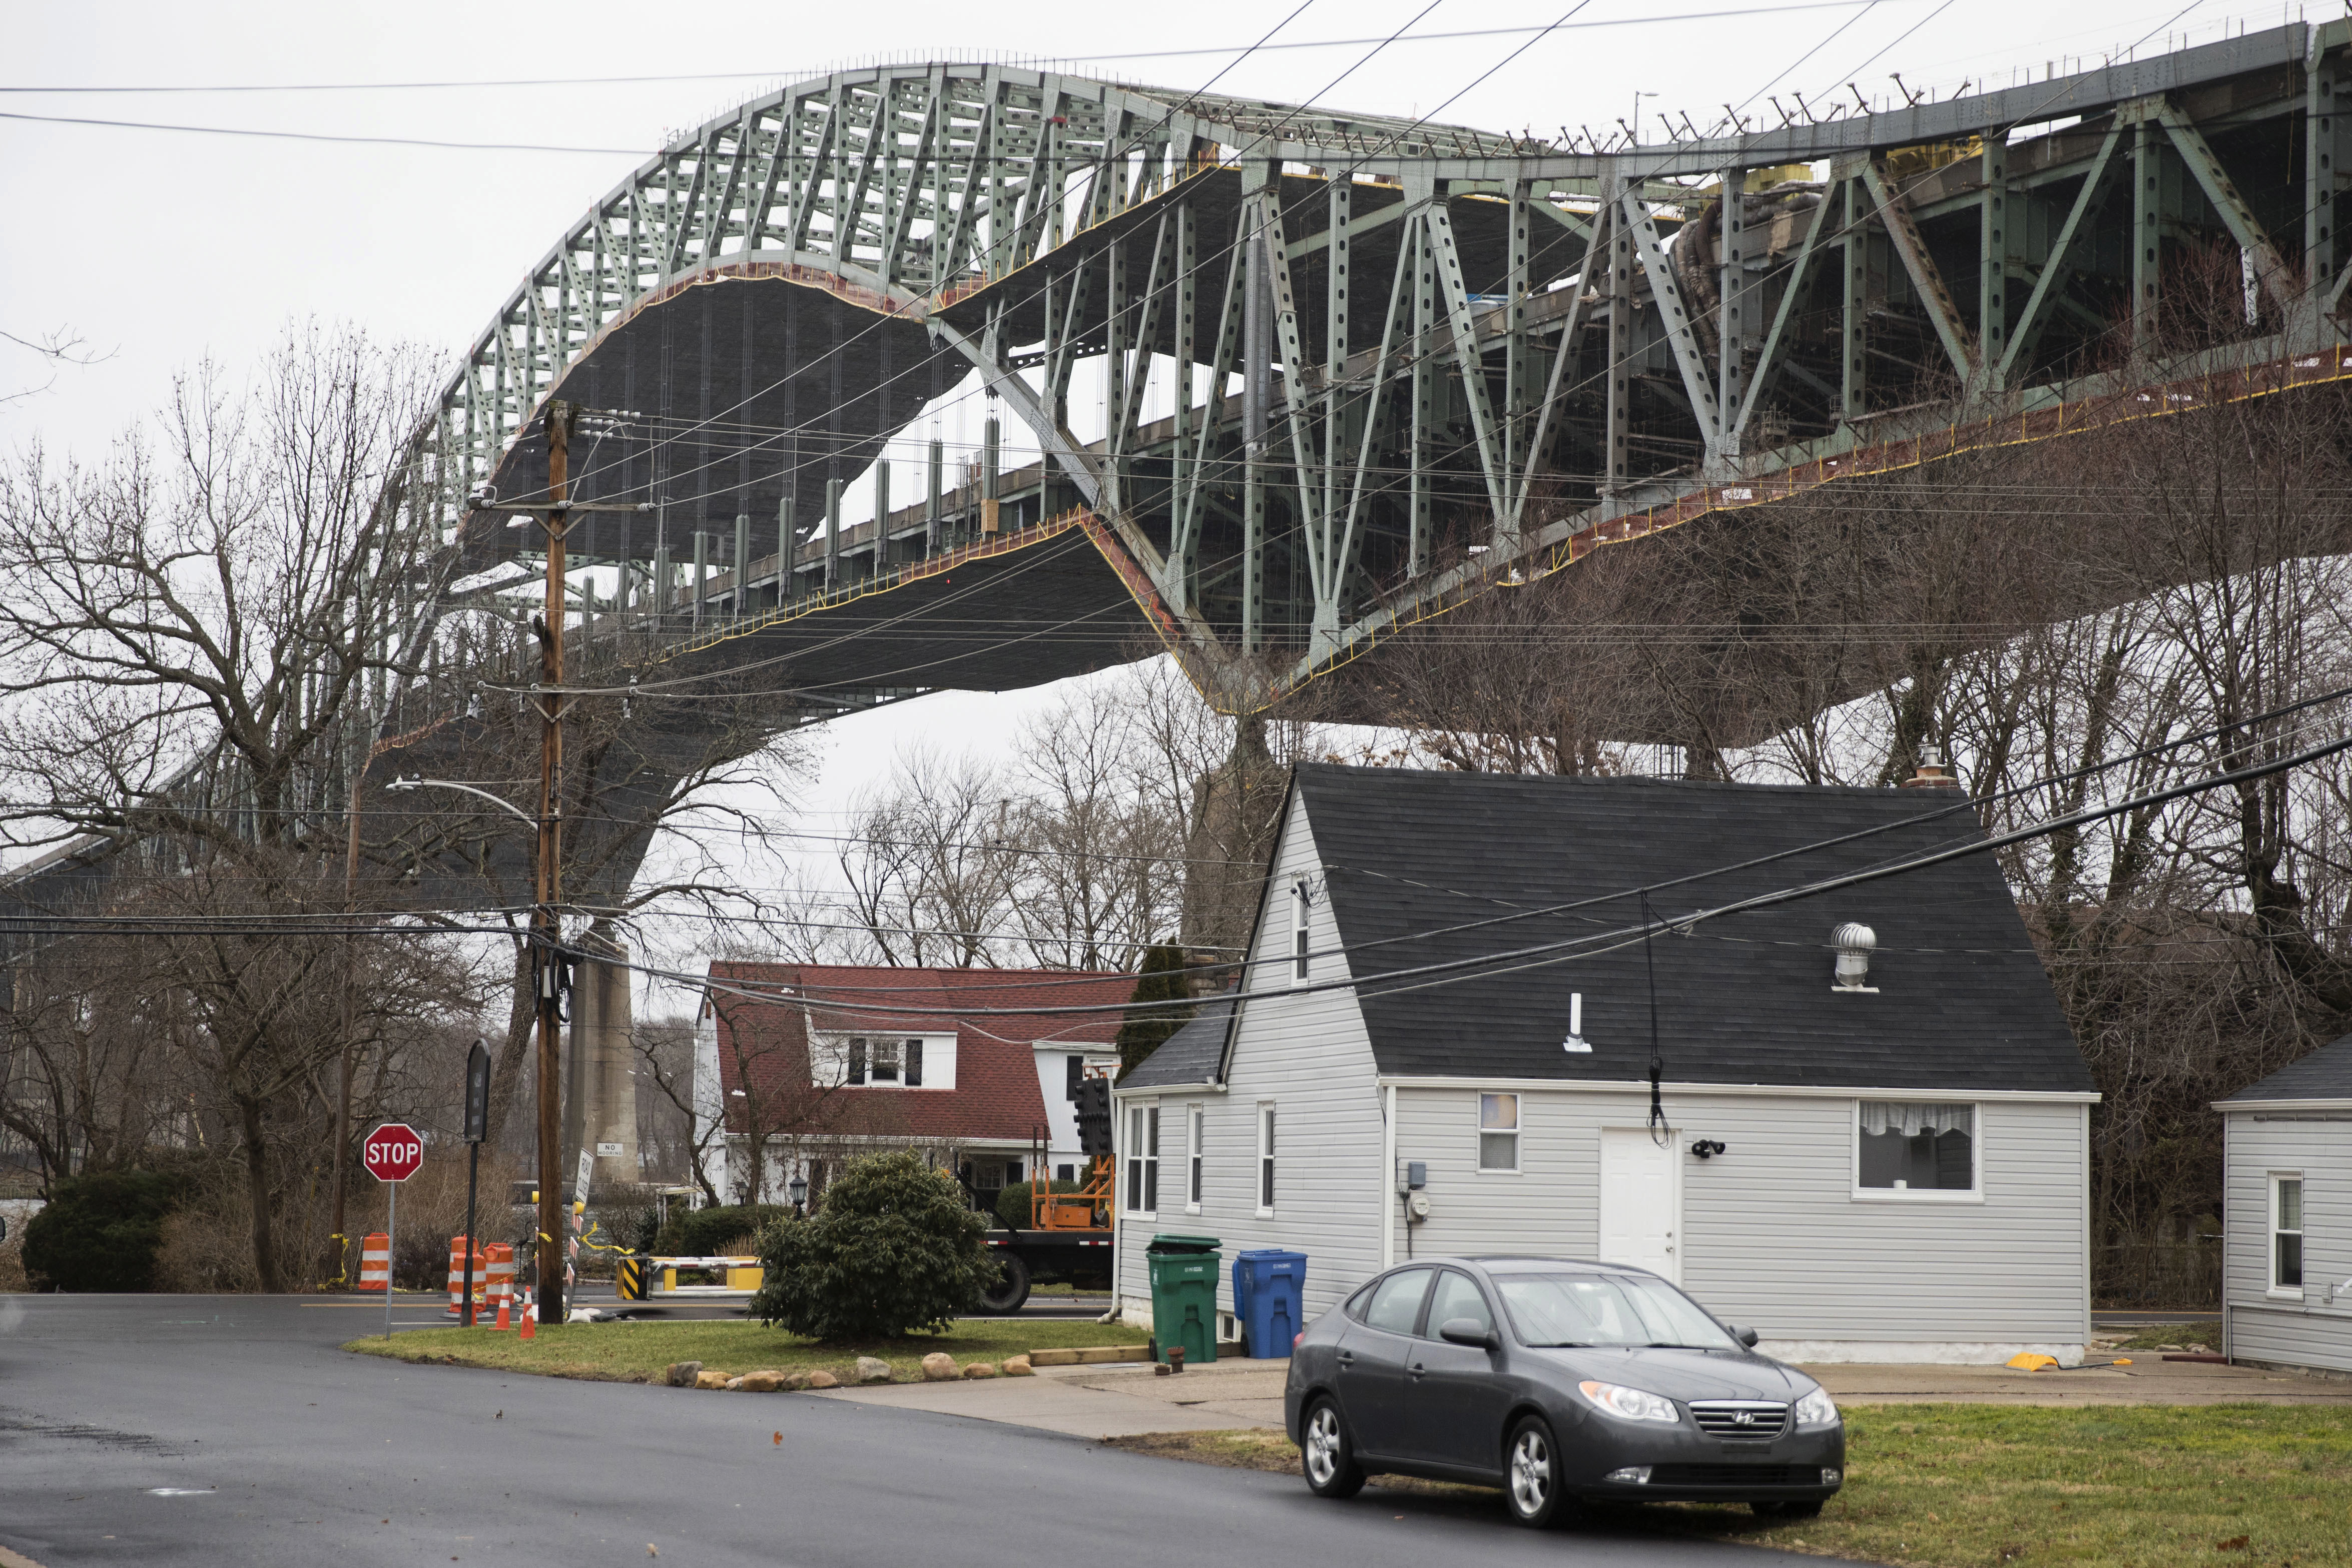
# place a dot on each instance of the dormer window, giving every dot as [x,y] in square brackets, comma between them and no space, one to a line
[884,1062]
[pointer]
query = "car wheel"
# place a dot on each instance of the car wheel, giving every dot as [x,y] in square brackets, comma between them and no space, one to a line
[1532,1477]
[1786,1509]
[1327,1455]
[1012,1287]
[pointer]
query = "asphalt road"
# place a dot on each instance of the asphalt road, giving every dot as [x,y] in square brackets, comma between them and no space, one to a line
[220,1430]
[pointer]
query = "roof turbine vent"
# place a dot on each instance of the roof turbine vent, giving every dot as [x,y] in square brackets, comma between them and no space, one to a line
[1853,942]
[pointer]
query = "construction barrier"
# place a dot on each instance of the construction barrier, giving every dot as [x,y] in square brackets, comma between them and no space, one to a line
[458,1245]
[375,1262]
[629,1279]
[501,1270]
[730,1278]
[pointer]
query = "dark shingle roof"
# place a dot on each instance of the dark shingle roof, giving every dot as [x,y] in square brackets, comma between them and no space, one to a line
[1191,1055]
[2325,1074]
[1962,1001]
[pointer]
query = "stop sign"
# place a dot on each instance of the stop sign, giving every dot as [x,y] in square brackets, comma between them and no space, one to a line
[392,1152]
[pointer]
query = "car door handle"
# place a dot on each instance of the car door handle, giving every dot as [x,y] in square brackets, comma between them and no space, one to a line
[1418,1369]
[1347,1358]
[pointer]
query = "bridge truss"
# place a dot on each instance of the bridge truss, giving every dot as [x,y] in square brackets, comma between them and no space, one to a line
[1402,363]
[1349,373]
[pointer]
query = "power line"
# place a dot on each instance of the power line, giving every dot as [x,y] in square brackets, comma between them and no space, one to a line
[321,136]
[1740,13]
[1483,965]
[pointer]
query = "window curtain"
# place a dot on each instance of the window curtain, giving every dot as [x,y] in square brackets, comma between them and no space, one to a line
[1879,1116]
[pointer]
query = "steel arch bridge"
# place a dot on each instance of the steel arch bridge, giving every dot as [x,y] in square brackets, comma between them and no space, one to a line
[1401,363]
[1419,362]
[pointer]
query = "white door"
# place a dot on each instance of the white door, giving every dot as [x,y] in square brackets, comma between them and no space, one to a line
[1641,1202]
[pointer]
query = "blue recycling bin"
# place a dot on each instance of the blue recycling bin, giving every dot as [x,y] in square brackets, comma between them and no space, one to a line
[1268,1284]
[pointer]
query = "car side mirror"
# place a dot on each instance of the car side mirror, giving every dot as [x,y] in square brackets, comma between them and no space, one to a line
[1467,1331]
[1746,1336]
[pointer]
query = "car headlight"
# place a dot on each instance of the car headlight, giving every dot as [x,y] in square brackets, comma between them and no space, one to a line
[1629,1404]
[1815,1409]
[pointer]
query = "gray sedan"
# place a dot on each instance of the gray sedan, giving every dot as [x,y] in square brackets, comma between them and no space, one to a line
[1560,1382]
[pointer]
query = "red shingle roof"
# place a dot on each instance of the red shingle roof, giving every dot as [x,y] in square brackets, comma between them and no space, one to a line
[996,1095]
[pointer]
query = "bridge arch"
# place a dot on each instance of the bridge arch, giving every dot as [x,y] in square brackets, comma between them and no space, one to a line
[1400,362]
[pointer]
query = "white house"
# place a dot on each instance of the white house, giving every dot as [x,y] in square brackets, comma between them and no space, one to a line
[2286,1220]
[1445,1046]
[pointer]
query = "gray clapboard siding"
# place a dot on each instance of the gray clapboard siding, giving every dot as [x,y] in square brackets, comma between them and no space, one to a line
[1772,1233]
[1310,1056]
[2264,1327]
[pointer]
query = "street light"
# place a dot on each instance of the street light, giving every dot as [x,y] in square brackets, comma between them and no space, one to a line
[510,809]
[547,933]
[797,1190]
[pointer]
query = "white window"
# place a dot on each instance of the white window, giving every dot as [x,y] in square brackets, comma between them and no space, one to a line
[876,1061]
[1142,1159]
[1915,1150]
[1499,1132]
[2286,1235]
[1299,907]
[1266,1159]
[1195,1126]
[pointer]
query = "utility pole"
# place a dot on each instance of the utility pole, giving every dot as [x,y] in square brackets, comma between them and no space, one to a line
[545,928]
[350,1024]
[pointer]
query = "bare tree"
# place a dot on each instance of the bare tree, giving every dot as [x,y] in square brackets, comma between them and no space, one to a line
[930,864]
[62,346]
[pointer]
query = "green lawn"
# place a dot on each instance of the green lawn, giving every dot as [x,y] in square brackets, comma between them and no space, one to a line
[2203,1335]
[639,1352]
[1981,1486]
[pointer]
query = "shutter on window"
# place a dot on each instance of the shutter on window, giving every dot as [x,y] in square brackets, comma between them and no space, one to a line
[914,1064]
[858,1061]
[1077,1073]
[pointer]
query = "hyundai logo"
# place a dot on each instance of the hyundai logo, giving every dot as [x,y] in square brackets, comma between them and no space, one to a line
[1744,1419]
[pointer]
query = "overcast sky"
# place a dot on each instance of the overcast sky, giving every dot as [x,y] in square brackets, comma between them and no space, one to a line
[159,248]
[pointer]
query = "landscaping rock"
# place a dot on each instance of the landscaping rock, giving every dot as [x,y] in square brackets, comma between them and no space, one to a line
[796,1381]
[711,1380]
[759,1381]
[823,1380]
[873,1369]
[939,1367]
[1018,1367]
[733,1384]
[980,1369]
[681,1373]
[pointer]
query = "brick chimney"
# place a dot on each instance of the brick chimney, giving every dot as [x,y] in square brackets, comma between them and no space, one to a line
[1934,772]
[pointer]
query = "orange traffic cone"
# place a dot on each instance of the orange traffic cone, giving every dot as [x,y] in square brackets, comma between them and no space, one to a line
[502,1322]
[530,1317]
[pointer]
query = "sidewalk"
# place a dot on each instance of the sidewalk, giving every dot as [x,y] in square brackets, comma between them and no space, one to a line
[1117,1400]
[1125,1399]
[2148,1380]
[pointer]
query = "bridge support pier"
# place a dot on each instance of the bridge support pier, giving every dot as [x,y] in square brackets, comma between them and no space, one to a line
[599,1101]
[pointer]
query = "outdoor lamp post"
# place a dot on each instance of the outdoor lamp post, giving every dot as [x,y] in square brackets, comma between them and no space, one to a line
[547,932]
[797,1190]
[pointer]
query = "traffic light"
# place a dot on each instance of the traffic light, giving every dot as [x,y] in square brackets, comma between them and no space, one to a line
[1093,1108]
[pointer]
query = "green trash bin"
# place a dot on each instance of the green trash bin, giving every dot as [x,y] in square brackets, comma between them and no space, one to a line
[1184,1271]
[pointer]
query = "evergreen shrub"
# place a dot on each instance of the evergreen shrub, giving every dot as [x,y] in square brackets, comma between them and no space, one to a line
[895,1248]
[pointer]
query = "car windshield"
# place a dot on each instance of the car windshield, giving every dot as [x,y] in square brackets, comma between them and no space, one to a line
[1606,1310]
